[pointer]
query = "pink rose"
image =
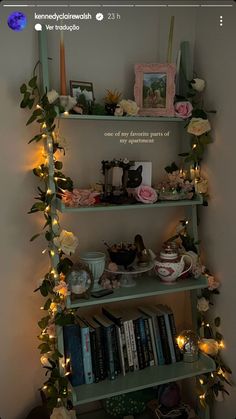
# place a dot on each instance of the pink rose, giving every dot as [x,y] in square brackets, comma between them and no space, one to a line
[212,283]
[183,109]
[145,194]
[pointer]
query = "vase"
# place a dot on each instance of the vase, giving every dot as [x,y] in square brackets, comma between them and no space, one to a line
[96,264]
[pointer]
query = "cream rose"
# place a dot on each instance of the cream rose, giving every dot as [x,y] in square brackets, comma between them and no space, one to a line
[213,284]
[201,186]
[67,242]
[198,126]
[60,413]
[52,96]
[198,84]
[61,288]
[129,106]
[202,304]
[209,346]
[119,111]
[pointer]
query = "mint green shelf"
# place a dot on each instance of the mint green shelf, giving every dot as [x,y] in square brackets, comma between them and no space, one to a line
[139,380]
[106,207]
[146,287]
[122,118]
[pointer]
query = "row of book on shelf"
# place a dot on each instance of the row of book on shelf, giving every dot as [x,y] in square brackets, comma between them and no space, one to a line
[112,343]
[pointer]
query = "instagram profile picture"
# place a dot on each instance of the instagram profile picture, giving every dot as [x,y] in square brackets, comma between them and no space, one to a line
[17,21]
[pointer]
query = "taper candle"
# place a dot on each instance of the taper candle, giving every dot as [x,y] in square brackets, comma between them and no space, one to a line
[62,66]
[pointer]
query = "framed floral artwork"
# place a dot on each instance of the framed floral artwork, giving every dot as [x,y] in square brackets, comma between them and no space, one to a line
[154,89]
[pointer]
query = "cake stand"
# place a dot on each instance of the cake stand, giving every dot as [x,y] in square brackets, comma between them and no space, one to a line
[127,275]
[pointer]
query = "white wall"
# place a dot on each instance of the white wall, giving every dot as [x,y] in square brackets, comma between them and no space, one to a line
[215,60]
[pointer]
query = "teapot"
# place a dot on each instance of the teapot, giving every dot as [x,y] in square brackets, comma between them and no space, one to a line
[170,265]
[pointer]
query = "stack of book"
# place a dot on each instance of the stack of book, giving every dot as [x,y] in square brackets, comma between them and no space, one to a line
[114,342]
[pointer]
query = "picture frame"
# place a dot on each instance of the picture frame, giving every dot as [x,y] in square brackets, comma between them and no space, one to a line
[78,88]
[154,89]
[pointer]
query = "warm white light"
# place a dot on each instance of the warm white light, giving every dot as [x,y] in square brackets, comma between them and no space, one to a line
[66,113]
[201,381]
[52,253]
[49,191]
[44,135]
[55,222]
[44,125]
[194,145]
[44,251]
[38,106]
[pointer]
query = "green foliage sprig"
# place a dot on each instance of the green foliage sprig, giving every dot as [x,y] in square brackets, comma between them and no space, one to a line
[209,385]
[55,388]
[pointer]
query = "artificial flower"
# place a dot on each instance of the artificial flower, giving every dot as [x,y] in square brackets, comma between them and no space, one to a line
[145,194]
[183,109]
[67,242]
[129,107]
[44,361]
[125,161]
[196,270]
[201,186]
[119,111]
[60,413]
[83,197]
[51,330]
[52,96]
[113,267]
[61,288]
[202,304]
[213,284]
[209,346]
[198,126]
[198,84]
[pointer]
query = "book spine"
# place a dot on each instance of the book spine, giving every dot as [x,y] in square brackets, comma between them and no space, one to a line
[133,345]
[139,345]
[94,357]
[120,349]
[164,338]
[149,343]
[87,361]
[73,351]
[109,352]
[153,341]
[124,347]
[144,342]
[160,356]
[169,337]
[115,350]
[128,346]
[101,353]
[174,337]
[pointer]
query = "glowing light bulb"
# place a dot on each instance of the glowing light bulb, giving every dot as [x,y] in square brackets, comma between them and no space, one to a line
[194,145]
[221,344]
[202,396]
[38,106]
[44,135]
[55,222]
[201,381]
[49,191]
[47,209]
[212,375]
[45,387]
[44,251]
[52,253]
[44,125]
[66,113]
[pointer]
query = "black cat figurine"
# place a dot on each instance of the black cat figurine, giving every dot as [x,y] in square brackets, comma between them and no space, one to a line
[134,177]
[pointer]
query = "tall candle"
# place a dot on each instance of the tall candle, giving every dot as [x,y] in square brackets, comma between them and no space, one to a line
[62,66]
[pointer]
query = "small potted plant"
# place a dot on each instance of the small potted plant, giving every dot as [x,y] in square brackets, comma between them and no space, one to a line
[111,100]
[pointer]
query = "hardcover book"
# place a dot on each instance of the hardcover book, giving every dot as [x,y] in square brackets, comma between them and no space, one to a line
[152,313]
[86,350]
[107,330]
[73,351]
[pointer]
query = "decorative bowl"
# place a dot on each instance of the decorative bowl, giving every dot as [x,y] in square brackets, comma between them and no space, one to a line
[123,257]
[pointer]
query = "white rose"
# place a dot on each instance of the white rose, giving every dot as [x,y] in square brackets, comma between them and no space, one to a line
[209,346]
[44,361]
[198,84]
[60,413]
[129,106]
[119,111]
[67,242]
[198,126]
[52,96]
[202,304]
[201,186]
